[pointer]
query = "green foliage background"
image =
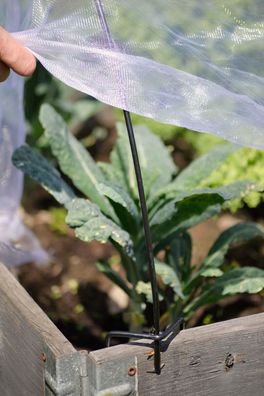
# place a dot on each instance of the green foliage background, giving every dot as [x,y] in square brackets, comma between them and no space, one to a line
[244,164]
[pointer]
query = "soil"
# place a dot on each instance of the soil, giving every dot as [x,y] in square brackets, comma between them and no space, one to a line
[73,293]
[81,301]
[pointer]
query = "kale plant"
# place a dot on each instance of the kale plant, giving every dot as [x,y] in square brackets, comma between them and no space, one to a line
[107,209]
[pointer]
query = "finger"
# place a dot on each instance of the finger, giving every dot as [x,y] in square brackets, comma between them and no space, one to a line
[15,55]
[4,72]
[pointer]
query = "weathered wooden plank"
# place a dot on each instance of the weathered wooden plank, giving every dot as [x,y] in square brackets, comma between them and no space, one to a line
[26,334]
[225,358]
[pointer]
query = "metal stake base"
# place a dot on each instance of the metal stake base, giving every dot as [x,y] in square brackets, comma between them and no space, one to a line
[173,330]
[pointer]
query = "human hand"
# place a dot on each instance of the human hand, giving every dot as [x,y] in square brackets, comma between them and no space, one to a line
[14,56]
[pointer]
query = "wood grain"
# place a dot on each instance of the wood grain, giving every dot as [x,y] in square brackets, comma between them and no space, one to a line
[225,358]
[25,332]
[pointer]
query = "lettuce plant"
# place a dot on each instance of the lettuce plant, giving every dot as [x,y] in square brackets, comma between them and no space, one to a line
[107,210]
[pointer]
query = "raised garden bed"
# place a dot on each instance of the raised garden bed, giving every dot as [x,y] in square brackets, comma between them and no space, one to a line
[36,359]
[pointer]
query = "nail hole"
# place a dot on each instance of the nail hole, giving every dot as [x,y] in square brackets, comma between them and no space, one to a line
[229,361]
[43,357]
[132,371]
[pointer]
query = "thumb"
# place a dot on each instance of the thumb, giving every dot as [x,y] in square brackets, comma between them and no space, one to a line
[15,55]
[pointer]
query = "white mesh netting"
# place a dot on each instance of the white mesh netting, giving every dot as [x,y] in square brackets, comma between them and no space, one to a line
[196,64]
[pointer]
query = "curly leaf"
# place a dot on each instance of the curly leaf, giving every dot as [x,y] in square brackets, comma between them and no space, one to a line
[90,224]
[246,164]
[39,169]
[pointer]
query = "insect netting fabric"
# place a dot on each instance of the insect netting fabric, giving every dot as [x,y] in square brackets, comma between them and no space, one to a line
[196,64]
[17,243]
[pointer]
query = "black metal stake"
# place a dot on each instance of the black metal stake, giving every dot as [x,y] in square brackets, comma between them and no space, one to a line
[148,241]
[157,336]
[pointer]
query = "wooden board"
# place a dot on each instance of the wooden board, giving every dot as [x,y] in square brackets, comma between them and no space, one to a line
[225,358]
[25,334]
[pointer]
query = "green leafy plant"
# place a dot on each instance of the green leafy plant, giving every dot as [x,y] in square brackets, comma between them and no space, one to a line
[244,164]
[175,204]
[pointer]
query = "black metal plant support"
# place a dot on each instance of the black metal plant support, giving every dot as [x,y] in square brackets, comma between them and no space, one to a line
[157,336]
